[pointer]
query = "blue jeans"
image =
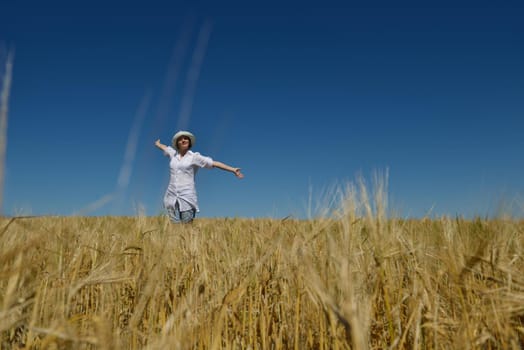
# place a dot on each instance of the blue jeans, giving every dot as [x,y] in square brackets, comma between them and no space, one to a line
[177,216]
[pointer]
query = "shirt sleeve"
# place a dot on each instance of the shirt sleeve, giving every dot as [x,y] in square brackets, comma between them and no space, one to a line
[170,151]
[202,161]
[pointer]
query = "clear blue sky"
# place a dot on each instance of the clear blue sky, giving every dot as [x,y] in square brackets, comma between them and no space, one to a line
[300,95]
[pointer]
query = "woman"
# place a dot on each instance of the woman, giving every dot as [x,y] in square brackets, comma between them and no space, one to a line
[180,199]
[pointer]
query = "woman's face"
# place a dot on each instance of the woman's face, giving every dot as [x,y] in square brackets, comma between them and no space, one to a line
[183,143]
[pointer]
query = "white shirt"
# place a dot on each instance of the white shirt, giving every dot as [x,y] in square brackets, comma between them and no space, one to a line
[182,170]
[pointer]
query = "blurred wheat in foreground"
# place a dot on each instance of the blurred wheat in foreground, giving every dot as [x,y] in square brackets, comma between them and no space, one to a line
[357,280]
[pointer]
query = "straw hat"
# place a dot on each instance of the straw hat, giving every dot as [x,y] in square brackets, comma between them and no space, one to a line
[183,133]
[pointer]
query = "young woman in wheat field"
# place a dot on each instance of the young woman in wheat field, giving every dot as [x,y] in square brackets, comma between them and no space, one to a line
[180,199]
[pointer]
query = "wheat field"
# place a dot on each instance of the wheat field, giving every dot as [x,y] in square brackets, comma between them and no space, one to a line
[357,279]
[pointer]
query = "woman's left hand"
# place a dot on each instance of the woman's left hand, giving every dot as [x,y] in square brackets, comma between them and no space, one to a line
[237,173]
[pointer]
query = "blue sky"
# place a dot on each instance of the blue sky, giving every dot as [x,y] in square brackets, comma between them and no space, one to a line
[301,95]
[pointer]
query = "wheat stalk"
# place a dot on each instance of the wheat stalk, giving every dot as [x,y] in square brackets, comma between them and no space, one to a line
[4,100]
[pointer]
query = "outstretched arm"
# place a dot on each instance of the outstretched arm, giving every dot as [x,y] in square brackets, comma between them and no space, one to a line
[160,145]
[226,167]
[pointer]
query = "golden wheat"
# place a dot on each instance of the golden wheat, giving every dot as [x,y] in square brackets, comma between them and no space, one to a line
[346,282]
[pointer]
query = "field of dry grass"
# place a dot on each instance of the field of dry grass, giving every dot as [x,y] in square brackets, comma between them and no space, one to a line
[358,280]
